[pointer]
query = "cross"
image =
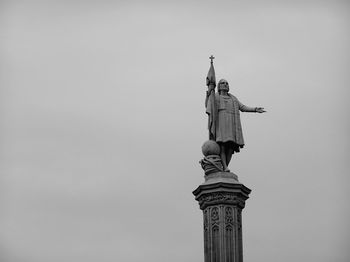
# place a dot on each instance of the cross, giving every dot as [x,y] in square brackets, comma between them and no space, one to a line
[211,58]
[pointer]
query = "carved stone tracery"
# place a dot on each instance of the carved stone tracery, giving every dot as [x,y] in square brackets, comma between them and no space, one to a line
[214,215]
[220,197]
[228,216]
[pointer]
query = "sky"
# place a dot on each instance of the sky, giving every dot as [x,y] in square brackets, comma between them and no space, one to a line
[102,122]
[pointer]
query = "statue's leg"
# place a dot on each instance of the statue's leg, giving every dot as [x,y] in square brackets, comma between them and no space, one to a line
[229,153]
[223,156]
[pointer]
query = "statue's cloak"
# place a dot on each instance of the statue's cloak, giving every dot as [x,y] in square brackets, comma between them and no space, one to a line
[224,119]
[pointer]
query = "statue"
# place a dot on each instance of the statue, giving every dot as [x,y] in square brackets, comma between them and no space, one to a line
[224,121]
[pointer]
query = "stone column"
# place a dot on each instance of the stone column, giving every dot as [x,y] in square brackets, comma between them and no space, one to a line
[222,198]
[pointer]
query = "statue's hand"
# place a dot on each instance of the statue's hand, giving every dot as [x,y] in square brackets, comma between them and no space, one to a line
[211,88]
[260,110]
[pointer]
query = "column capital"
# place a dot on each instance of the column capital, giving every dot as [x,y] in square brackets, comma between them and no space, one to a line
[221,188]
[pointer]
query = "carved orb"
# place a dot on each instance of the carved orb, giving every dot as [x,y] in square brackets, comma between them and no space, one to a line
[210,147]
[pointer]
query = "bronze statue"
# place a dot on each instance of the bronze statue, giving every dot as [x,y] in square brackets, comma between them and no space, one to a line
[224,121]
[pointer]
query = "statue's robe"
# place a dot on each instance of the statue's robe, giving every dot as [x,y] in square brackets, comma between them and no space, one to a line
[224,120]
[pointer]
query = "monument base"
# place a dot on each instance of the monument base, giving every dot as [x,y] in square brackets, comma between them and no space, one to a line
[227,177]
[222,198]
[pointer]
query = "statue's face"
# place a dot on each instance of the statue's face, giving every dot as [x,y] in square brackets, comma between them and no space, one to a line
[223,85]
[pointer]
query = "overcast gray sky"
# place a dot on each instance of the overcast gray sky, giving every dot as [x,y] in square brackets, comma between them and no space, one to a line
[103,118]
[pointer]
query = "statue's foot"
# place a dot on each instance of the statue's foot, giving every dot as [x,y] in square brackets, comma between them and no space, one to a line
[227,170]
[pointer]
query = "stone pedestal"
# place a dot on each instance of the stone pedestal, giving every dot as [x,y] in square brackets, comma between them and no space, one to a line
[222,198]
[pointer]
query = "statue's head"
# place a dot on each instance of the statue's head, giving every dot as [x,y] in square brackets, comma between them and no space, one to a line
[223,85]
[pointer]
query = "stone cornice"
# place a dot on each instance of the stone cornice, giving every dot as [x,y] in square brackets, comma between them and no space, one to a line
[221,193]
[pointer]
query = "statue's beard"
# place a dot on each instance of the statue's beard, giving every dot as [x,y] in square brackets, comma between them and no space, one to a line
[224,89]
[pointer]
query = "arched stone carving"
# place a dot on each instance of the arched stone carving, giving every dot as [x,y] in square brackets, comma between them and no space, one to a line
[215,243]
[229,243]
[228,216]
[214,215]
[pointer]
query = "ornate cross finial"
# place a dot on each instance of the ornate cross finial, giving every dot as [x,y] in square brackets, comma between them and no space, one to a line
[211,58]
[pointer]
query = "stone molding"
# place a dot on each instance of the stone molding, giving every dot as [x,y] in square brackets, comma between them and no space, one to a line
[209,194]
[225,198]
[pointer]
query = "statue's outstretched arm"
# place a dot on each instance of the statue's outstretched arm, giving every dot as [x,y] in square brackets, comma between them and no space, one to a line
[244,108]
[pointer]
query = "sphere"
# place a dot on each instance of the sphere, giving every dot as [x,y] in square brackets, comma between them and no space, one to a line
[210,147]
